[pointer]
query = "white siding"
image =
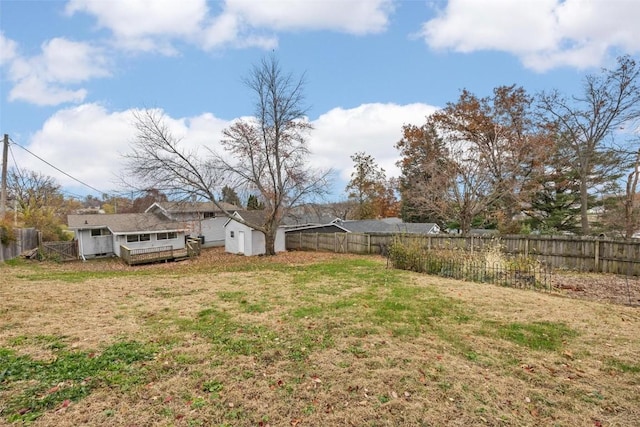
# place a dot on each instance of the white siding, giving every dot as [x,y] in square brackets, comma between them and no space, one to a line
[213,231]
[254,242]
[232,235]
[92,246]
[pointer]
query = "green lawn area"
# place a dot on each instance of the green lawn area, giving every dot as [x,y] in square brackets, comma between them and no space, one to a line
[304,339]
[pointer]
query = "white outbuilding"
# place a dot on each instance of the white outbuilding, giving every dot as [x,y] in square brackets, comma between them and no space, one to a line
[242,239]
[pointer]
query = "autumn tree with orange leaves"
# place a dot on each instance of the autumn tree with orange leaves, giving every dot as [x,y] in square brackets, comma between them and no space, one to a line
[472,158]
[369,189]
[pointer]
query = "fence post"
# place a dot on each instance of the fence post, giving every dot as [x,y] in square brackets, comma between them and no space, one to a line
[526,247]
[596,251]
[368,243]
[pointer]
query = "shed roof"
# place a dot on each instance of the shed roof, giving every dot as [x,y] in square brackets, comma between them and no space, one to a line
[125,223]
[252,217]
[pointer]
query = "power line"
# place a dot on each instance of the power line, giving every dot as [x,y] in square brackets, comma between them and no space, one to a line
[58,169]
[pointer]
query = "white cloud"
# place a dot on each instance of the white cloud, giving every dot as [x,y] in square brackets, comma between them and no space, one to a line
[88,141]
[43,79]
[36,91]
[152,25]
[227,29]
[348,16]
[542,33]
[145,24]
[372,128]
[85,142]
[7,49]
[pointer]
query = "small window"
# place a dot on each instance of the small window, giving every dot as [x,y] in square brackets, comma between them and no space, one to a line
[231,234]
[96,232]
[209,214]
[165,236]
[145,237]
[132,238]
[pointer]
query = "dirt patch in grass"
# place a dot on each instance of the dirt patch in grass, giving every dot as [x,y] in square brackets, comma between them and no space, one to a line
[598,287]
[312,339]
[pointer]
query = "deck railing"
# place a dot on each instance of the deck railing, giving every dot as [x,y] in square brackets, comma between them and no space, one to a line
[147,255]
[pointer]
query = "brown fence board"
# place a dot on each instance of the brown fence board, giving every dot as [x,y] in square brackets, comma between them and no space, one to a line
[567,252]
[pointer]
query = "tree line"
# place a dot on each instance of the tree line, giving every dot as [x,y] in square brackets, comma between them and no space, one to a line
[519,162]
[512,161]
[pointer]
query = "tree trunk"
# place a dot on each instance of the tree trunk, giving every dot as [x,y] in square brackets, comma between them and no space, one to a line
[584,207]
[465,224]
[270,242]
[630,221]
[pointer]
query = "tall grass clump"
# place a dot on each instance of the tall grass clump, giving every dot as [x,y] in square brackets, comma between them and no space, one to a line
[489,264]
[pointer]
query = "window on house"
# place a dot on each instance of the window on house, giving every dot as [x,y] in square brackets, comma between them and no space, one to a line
[132,238]
[145,237]
[96,232]
[166,236]
[231,234]
[209,214]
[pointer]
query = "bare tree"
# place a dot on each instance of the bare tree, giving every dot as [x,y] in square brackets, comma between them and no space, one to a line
[267,153]
[589,122]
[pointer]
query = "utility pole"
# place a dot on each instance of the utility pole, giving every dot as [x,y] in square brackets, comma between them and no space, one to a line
[3,191]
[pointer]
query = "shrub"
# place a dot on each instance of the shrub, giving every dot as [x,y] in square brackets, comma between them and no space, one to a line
[490,264]
[7,233]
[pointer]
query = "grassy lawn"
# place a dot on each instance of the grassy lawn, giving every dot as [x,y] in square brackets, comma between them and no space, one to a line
[304,339]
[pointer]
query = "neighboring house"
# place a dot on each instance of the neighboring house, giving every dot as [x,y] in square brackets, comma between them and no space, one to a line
[202,219]
[103,235]
[241,239]
[370,226]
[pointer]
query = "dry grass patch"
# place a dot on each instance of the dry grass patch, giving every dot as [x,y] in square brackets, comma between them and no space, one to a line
[304,339]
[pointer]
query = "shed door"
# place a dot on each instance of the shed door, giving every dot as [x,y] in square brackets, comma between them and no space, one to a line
[241,242]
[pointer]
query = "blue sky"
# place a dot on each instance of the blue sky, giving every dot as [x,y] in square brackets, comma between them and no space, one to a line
[73,71]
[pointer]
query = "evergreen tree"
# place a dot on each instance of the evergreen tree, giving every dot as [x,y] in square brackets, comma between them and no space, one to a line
[230,196]
[253,204]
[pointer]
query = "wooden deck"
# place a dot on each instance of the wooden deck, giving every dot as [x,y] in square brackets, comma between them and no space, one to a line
[158,254]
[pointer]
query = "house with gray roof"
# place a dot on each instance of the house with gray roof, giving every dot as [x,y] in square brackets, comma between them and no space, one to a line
[105,235]
[203,220]
[370,226]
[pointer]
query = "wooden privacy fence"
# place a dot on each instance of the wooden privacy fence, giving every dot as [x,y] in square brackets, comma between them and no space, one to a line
[565,252]
[23,239]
